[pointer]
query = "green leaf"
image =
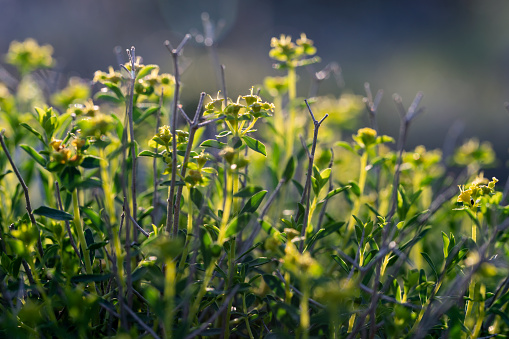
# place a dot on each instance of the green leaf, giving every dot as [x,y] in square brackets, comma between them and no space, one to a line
[145,70]
[91,161]
[446,241]
[148,112]
[97,245]
[250,250]
[237,224]
[197,197]
[255,145]
[108,96]
[354,188]
[431,264]
[346,146]
[213,143]
[33,131]
[341,263]
[149,154]
[93,216]
[248,191]
[87,278]
[253,203]
[52,213]
[289,169]
[70,178]
[334,192]
[298,186]
[115,89]
[34,154]
[275,284]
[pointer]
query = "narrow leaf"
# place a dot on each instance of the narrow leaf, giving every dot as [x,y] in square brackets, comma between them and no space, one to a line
[255,145]
[253,203]
[431,264]
[34,154]
[52,213]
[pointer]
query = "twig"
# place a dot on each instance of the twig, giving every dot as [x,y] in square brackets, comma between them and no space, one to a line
[132,58]
[311,157]
[139,227]
[331,187]
[389,299]
[140,322]
[264,210]
[25,190]
[193,127]
[311,301]
[206,324]
[170,207]
[155,197]
[372,104]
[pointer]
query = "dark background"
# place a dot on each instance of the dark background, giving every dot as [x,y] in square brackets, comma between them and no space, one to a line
[456,52]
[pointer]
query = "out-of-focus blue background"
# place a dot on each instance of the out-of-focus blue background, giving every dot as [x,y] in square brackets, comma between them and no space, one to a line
[455,51]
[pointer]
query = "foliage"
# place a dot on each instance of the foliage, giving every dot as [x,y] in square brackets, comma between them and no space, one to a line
[143,229]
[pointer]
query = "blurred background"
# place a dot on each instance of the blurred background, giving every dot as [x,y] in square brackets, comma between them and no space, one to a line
[456,52]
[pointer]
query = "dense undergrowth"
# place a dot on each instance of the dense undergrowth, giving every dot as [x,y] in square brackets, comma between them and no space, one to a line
[265,215]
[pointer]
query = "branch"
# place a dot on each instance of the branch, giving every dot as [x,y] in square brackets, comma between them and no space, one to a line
[170,205]
[25,190]
[310,169]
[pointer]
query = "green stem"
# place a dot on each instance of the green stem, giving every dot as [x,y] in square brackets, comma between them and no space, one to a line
[231,268]
[185,252]
[81,234]
[292,94]
[108,196]
[246,319]
[304,309]
[227,208]
[169,294]
[203,289]
[357,204]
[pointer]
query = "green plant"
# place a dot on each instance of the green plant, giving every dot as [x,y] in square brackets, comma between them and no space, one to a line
[151,230]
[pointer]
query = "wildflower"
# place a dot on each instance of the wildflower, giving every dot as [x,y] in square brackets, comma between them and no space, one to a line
[29,55]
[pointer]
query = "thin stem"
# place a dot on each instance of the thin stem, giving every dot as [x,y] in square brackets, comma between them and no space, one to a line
[170,227]
[155,196]
[311,157]
[25,190]
[206,324]
[67,225]
[81,235]
[194,125]
[132,58]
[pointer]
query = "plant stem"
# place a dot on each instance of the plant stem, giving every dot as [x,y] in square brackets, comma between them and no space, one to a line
[292,94]
[231,272]
[132,56]
[188,236]
[246,319]
[170,207]
[25,190]
[357,204]
[304,308]
[169,294]
[193,127]
[227,208]
[81,234]
[203,289]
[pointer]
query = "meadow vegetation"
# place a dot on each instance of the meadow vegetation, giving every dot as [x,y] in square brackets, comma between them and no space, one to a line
[269,215]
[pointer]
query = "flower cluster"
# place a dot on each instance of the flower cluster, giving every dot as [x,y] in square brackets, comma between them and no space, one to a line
[61,155]
[474,153]
[480,187]
[291,54]
[29,55]
[75,92]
